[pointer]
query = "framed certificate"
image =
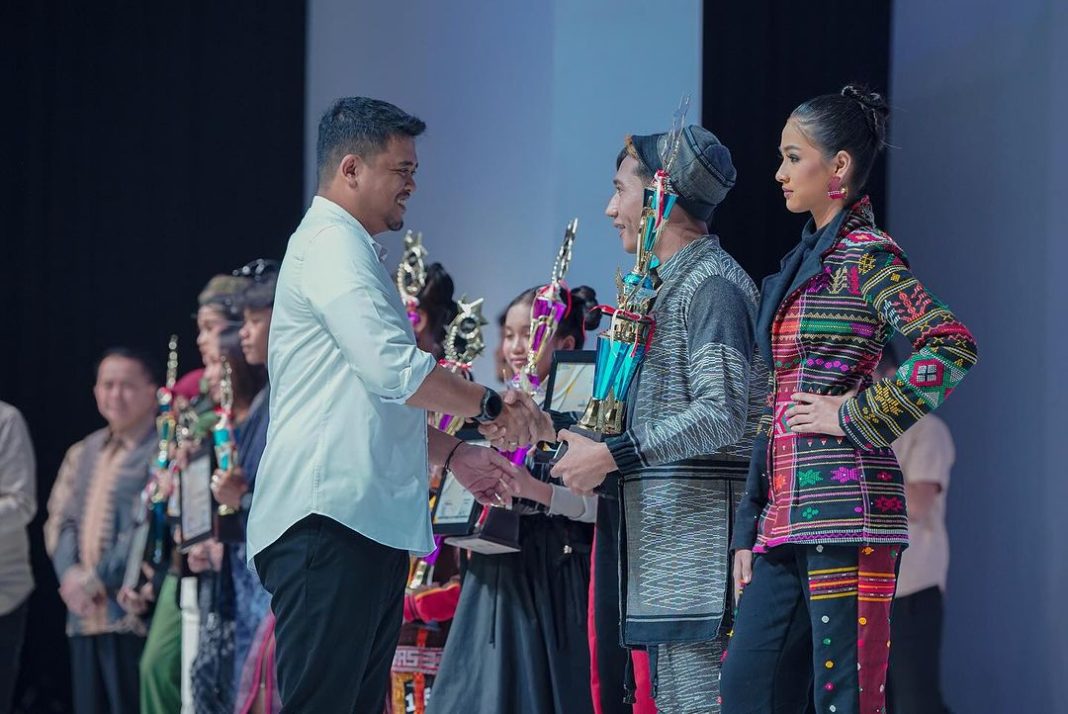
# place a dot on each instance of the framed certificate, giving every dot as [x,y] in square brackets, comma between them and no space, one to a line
[138,542]
[570,384]
[197,504]
[456,512]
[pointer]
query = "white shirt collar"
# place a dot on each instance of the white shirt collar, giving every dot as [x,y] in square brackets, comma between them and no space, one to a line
[321,204]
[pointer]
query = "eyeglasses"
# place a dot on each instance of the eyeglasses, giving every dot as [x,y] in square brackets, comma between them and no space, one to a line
[258,270]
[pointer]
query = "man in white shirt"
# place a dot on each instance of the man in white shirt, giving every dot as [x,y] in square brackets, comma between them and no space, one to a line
[926,454]
[340,497]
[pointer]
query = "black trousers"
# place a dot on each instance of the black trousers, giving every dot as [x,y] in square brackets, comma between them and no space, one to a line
[915,668]
[104,672]
[338,601]
[812,625]
[12,629]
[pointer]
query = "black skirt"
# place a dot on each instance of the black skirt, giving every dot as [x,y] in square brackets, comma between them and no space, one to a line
[518,643]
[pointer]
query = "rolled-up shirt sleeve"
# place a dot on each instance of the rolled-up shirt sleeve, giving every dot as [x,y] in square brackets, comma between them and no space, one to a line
[344,283]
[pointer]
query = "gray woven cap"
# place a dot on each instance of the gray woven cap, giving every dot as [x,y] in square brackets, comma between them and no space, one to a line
[702,173]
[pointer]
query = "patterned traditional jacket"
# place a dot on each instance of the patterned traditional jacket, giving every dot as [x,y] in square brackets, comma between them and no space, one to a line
[825,333]
[689,433]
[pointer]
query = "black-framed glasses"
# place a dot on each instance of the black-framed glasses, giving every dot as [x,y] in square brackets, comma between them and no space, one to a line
[258,270]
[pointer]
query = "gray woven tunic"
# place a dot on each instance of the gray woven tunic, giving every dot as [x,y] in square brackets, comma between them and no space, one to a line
[688,438]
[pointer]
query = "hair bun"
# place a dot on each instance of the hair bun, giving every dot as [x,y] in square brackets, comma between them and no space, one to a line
[875,109]
[585,298]
[436,300]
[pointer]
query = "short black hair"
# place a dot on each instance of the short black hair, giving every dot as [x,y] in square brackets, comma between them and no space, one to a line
[360,126]
[643,171]
[149,365]
[435,299]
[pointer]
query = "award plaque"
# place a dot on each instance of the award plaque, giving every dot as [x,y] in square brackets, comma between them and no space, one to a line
[198,506]
[136,557]
[570,381]
[455,510]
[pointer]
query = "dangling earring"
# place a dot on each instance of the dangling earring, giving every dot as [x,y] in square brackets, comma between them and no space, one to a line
[835,190]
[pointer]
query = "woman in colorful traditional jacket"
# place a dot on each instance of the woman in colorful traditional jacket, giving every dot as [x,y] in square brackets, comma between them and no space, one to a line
[824,509]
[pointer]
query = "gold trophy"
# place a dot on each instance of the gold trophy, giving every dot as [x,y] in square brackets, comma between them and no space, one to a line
[547,310]
[622,347]
[152,518]
[463,345]
[165,426]
[411,273]
[223,431]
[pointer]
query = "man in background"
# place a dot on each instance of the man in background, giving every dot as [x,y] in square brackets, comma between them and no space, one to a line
[926,454]
[18,504]
[91,504]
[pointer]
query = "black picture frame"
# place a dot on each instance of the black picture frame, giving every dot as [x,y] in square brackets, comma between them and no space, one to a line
[133,575]
[197,503]
[575,369]
[455,511]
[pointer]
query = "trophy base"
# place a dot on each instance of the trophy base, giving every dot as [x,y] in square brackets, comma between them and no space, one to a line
[498,534]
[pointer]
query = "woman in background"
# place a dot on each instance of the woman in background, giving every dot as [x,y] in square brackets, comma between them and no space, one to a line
[518,640]
[214,670]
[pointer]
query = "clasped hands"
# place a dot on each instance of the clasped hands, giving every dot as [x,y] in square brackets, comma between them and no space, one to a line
[582,468]
[490,476]
[521,423]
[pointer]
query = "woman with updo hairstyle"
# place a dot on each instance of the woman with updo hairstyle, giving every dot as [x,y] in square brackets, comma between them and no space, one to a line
[436,310]
[518,640]
[822,523]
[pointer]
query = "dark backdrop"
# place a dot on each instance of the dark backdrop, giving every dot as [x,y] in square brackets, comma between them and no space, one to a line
[762,59]
[148,145]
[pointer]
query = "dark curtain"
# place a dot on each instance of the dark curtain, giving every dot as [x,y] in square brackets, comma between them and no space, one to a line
[762,59]
[147,147]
